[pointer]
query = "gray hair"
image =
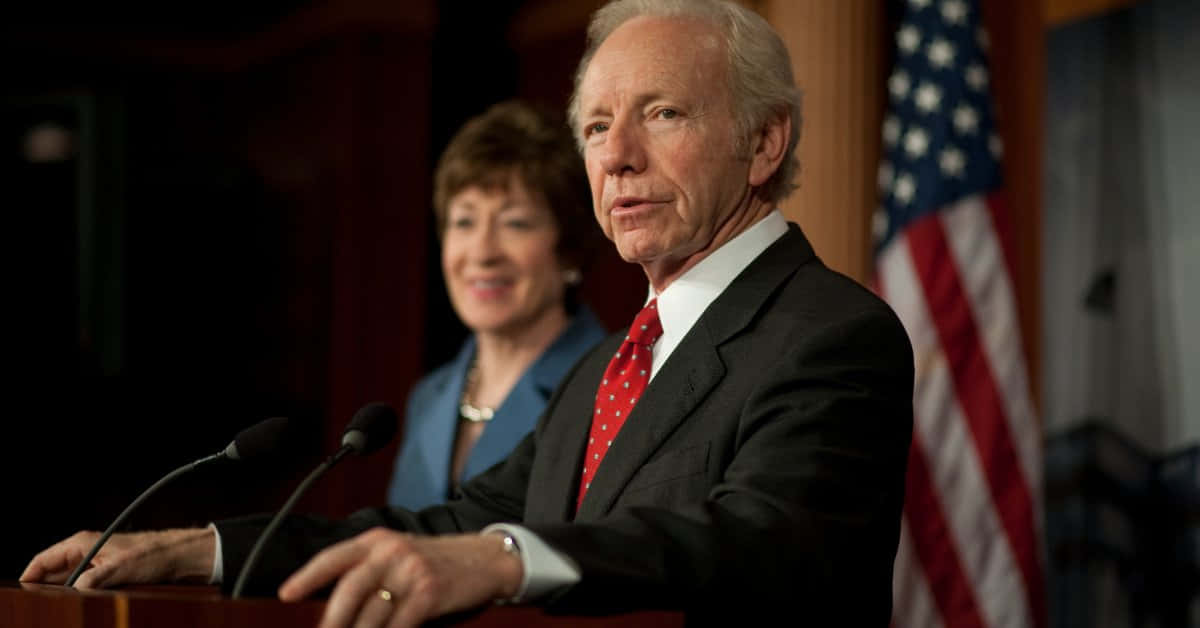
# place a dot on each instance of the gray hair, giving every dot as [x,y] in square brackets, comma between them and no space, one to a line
[759,70]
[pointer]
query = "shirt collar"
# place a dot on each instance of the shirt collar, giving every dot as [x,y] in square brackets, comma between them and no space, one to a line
[681,303]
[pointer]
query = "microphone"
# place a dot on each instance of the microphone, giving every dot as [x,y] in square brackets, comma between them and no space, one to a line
[372,427]
[254,441]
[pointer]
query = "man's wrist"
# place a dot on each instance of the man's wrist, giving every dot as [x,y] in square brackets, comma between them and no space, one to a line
[512,569]
[190,553]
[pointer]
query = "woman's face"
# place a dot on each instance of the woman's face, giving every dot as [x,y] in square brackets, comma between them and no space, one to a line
[498,256]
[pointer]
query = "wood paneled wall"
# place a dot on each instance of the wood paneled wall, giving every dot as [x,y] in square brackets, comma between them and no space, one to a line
[838,55]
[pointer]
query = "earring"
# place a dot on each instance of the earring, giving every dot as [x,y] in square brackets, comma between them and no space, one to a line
[572,276]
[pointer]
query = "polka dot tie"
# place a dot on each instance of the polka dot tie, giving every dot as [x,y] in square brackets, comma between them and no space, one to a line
[623,383]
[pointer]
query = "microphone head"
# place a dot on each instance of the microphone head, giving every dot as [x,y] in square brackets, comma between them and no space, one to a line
[258,439]
[372,427]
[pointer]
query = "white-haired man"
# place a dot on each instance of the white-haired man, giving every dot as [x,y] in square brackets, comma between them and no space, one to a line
[767,398]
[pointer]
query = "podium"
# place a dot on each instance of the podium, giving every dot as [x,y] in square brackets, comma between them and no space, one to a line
[26,605]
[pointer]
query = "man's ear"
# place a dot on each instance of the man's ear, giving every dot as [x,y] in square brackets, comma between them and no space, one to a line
[769,146]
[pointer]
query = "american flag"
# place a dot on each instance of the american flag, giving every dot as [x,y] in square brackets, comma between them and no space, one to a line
[971,540]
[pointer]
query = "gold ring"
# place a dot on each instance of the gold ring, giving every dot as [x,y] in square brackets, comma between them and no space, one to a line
[385,595]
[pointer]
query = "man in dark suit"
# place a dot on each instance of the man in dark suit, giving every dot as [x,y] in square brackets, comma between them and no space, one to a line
[741,447]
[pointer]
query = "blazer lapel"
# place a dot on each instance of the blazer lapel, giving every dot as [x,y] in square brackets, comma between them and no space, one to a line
[551,495]
[686,377]
[693,369]
[436,435]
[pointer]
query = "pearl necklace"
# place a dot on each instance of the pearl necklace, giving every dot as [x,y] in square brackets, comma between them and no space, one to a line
[468,410]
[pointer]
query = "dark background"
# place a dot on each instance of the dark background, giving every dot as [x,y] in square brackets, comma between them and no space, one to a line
[240,227]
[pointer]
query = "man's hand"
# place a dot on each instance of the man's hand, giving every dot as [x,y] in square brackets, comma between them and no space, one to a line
[135,558]
[424,576]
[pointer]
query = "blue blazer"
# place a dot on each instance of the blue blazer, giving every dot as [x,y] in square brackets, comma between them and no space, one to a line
[422,473]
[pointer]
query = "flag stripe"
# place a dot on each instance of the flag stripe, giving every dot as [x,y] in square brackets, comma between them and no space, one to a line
[975,533]
[978,254]
[979,258]
[978,394]
[1002,223]
[945,572]
[913,599]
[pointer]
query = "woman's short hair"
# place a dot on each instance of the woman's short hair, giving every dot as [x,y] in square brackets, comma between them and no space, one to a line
[510,138]
[759,70]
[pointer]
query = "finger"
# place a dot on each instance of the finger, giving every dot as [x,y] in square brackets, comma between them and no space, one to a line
[412,612]
[322,569]
[48,561]
[53,565]
[376,610]
[351,594]
[96,577]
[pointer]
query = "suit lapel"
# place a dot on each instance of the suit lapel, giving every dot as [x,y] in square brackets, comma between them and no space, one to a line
[687,376]
[437,430]
[551,497]
[693,369]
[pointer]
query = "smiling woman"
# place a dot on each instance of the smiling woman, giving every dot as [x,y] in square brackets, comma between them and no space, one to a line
[515,223]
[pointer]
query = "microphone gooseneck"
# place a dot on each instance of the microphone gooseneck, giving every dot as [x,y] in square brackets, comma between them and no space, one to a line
[370,429]
[249,443]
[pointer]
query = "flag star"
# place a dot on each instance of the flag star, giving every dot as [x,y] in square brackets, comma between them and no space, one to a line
[965,119]
[977,76]
[908,38]
[898,84]
[891,130]
[954,11]
[952,162]
[996,146]
[884,178]
[905,188]
[928,97]
[916,142]
[879,224]
[941,53]
[981,37]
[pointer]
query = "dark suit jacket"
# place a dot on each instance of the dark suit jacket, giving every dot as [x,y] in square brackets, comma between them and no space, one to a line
[762,469]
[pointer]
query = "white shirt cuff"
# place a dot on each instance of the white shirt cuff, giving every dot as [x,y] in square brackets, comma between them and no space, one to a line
[218,568]
[546,570]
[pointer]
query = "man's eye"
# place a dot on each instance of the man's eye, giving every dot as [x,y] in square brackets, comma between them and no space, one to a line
[598,127]
[667,114]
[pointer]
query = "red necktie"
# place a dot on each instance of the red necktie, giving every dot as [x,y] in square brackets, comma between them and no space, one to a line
[623,383]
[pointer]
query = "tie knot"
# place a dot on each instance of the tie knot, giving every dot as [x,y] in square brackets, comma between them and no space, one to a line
[646,327]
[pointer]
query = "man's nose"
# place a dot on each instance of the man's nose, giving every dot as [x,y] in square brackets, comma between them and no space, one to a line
[622,150]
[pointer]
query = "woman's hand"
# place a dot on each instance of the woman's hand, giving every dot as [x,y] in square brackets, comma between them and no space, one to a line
[388,578]
[133,558]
